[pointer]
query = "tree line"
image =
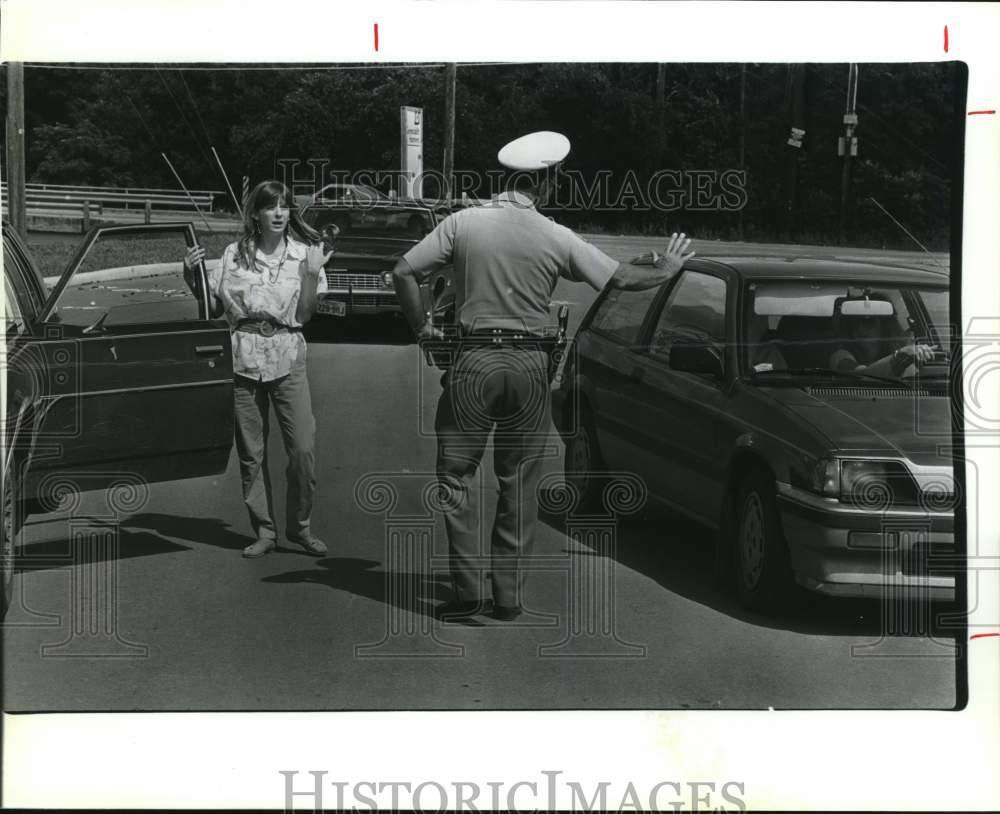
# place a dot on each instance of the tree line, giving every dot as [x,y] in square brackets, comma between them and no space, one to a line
[108,125]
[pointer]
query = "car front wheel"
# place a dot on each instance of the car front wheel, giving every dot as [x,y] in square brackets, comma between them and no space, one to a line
[9,537]
[583,463]
[763,571]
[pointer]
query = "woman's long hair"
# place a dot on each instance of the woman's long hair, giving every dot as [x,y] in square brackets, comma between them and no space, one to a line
[265,194]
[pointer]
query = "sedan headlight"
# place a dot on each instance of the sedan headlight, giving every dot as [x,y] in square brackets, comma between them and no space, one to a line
[876,485]
[863,483]
[826,477]
[386,279]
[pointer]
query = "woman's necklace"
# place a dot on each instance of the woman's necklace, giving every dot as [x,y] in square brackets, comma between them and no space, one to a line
[275,274]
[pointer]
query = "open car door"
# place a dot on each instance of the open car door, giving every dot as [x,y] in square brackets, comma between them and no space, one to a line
[133,376]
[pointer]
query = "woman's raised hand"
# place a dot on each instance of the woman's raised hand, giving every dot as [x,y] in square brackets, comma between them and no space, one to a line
[316,258]
[194,256]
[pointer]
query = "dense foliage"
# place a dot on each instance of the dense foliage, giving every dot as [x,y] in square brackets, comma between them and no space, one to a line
[110,126]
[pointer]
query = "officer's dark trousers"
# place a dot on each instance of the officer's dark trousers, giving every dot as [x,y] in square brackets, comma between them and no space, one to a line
[506,391]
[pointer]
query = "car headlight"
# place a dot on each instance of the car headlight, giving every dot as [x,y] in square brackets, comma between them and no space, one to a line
[876,485]
[826,477]
[387,279]
[864,483]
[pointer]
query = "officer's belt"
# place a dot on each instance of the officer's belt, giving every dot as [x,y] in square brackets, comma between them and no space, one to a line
[502,337]
[264,327]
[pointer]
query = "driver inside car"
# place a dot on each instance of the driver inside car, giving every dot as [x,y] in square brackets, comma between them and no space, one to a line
[866,345]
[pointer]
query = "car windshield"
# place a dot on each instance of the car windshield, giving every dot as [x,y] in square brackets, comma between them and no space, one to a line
[372,221]
[865,331]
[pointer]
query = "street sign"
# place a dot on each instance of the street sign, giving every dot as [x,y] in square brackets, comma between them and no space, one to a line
[854,145]
[411,152]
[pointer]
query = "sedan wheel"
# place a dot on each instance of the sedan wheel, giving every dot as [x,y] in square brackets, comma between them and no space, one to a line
[752,540]
[764,575]
[9,536]
[583,464]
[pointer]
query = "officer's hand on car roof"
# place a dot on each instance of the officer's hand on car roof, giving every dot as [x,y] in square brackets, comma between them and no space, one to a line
[673,258]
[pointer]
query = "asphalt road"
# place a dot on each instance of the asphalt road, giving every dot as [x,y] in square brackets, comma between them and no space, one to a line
[190,625]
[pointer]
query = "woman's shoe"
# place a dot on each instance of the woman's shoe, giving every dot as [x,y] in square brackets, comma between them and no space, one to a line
[259,548]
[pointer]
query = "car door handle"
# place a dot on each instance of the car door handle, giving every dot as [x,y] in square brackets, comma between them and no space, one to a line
[208,350]
[636,375]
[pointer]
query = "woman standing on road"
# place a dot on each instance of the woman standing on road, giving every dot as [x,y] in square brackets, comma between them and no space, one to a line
[266,285]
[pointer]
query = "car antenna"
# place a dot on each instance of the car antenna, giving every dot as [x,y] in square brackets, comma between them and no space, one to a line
[193,202]
[906,231]
[239,205]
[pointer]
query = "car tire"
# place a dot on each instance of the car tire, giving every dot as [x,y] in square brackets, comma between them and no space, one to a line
[760,554]
[9,532]
[583,464]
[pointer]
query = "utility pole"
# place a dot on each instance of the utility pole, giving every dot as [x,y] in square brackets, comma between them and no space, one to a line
[743,141]
[449,128]
[658,115]
[15,148]
[796,85]
[847,146]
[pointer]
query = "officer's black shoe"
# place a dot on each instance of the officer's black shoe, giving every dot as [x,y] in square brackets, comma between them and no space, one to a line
[506,613]
[462,609]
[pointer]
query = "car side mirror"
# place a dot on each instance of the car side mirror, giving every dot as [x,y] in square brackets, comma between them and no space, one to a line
[696,358]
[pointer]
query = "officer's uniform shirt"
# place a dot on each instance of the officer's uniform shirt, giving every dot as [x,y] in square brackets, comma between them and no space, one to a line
[507,260]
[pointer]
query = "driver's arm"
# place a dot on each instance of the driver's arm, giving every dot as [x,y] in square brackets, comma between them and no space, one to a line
[893,366]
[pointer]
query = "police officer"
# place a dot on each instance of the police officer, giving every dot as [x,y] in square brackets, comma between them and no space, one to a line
[507,259]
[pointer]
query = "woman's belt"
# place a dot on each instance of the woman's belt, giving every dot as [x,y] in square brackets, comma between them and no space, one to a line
[265,327]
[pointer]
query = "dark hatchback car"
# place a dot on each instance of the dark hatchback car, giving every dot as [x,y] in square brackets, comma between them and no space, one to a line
[369,238]
[114,373]
[747,393]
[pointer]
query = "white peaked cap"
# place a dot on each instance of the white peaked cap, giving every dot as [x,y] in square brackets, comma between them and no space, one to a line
[535,151]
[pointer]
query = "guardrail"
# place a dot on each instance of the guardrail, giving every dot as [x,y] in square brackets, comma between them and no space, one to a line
[64,206]
[64,210]
[47,194]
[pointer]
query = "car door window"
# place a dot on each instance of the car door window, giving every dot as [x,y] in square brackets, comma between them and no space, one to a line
[128,279]
[621,314]
[694,311]
[12,316]
[936,303]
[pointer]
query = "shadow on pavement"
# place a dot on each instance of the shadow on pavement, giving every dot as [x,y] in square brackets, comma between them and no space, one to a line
[380,329]
[59,553]
[141,535]
[413,593]
[205,530]
[677,553]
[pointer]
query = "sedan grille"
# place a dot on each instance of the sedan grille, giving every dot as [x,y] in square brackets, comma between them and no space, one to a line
[366,300]
[340,280]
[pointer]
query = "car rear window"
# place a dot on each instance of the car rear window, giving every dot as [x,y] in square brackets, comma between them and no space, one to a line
[621,313]
[372,221]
